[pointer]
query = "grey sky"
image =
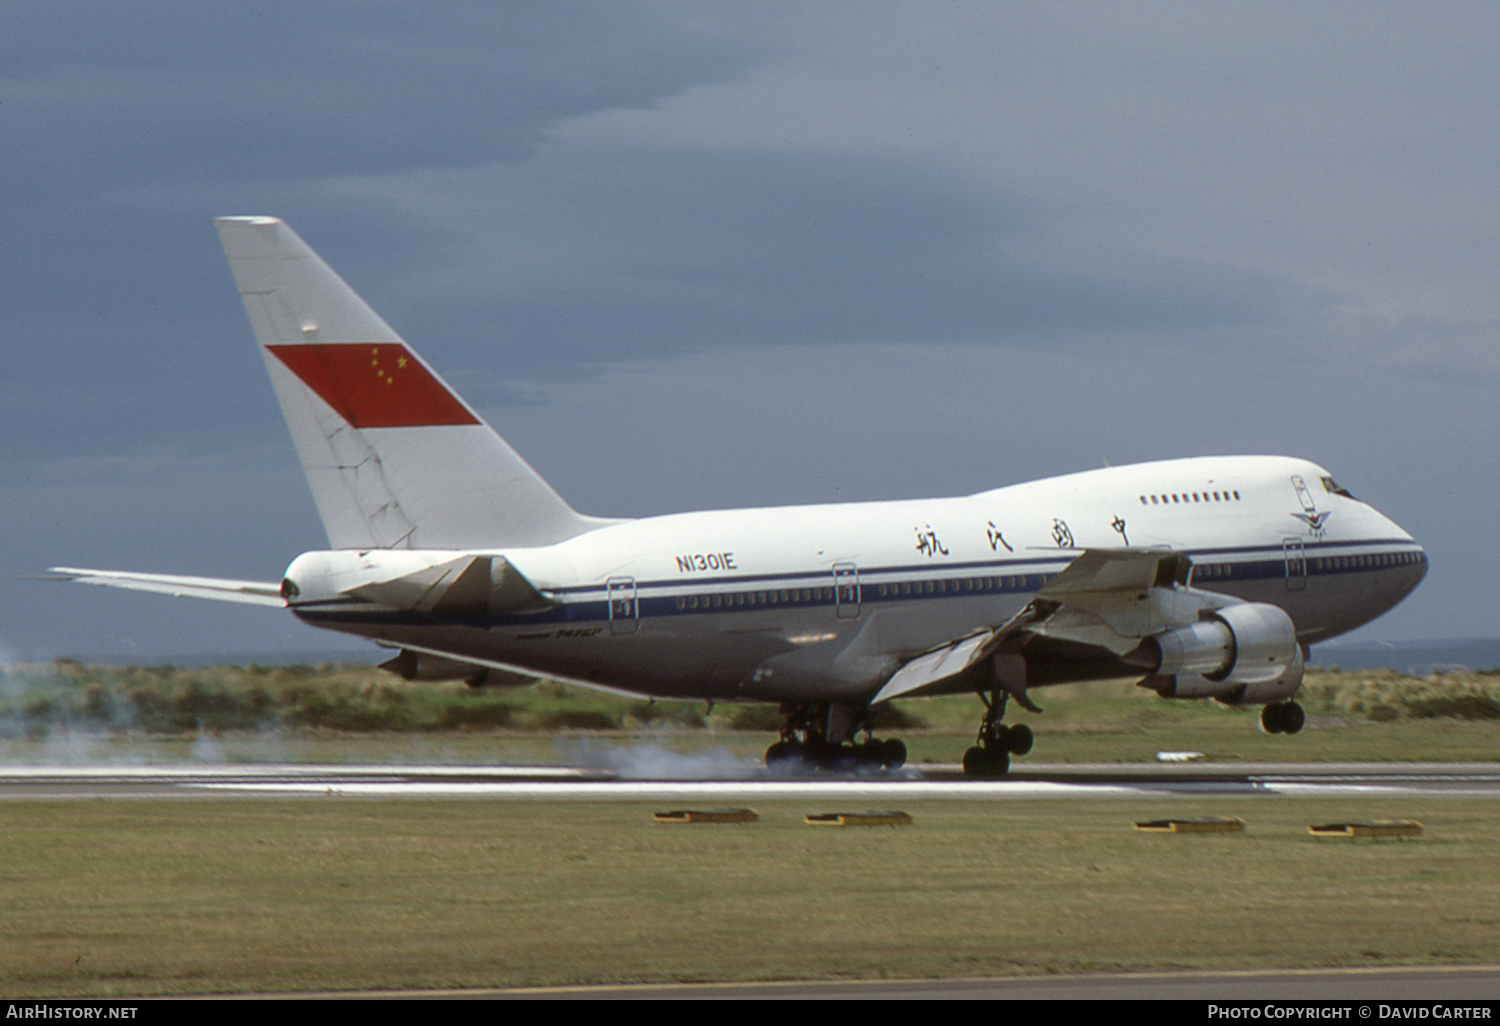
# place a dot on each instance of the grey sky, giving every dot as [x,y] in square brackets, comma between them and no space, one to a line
[696,255]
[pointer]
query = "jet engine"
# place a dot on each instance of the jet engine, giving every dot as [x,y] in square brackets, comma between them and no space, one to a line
[1245,653]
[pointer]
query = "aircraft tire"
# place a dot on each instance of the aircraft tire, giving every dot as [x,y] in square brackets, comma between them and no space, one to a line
[1292,718]
[1271,720]
[986,763]
[785,755]
[1019,739]
[825,754]
[892,753]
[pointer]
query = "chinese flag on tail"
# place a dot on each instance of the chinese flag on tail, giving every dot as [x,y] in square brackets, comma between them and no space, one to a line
[374,385]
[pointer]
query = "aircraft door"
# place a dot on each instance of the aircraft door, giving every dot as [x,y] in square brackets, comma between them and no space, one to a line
[846,591]
[1296,563]
[1303,495]
[624,609]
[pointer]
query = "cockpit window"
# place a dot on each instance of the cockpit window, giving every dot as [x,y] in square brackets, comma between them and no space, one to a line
[1332,487]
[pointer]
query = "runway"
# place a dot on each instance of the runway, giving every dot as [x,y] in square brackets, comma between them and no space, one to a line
[933,781]
[1358,987]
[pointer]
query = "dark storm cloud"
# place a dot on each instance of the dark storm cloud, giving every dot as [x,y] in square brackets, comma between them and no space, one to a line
[742,253]
[127,127]
[123,94]
[680,251]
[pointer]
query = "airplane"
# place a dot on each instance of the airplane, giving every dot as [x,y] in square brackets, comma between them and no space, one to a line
[1202,577]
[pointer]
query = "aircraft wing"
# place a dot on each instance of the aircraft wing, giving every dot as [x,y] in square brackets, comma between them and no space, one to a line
[522,674]
[1096,610]
[259,593]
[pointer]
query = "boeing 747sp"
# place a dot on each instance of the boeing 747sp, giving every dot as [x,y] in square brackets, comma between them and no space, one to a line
[1200,578]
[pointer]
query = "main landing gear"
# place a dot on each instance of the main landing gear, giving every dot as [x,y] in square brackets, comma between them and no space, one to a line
[807,743]
[1282,718]
[990,756]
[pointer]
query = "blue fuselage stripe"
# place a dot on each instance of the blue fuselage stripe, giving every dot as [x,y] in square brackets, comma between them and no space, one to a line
[1214,570]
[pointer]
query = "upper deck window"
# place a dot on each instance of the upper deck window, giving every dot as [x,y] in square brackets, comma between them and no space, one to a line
[1225,496]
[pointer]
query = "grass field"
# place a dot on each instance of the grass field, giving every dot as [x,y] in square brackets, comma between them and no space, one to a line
[71,712]
[127,897]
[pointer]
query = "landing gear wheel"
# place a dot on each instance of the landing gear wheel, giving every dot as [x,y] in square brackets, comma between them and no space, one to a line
[990,757]
[892,753]
[887,754]
[814,739]
[785,756]
[986,763]
[1282,718]
[825,754]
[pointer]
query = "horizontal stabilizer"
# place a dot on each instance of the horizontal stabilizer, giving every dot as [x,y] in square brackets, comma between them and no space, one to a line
[257,593]
[469,584]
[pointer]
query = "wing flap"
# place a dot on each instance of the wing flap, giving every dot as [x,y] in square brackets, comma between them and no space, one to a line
[1123,593]
[1119,571]
[939,665]
[934,666]
[1104,602]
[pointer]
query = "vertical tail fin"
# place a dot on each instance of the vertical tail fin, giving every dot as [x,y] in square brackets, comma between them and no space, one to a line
[394,457]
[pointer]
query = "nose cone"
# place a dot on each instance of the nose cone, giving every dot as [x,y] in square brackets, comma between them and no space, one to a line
[1368,565]
[1405,567]
[1418,571]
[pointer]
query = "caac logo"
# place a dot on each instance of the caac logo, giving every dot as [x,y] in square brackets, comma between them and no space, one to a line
[1314,521]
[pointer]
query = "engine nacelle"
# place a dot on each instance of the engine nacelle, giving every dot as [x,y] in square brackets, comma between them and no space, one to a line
[1244,653]
[1265,692]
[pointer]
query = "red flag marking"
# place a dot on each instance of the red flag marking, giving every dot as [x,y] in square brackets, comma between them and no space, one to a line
[374,386]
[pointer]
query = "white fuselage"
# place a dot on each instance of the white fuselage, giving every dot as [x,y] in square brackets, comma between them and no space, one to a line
[823,603]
